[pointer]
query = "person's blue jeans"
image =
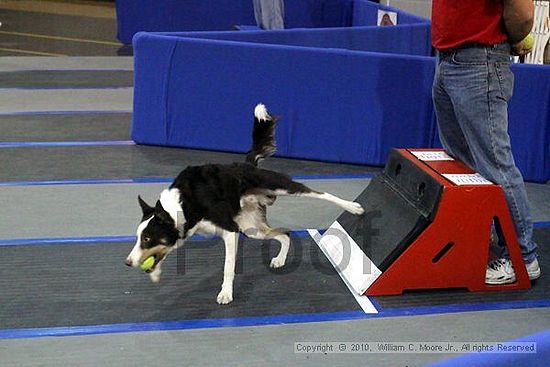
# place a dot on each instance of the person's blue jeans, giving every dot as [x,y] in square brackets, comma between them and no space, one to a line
[471,89]
[269,14]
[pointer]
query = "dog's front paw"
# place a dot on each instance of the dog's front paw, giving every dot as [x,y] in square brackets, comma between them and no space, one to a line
[155,276]
[355,208]
[277,262]
[225,297]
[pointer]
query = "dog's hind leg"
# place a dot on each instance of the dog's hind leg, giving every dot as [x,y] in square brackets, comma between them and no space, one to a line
[297,189]
[274,183]
[283,238]
[264,232]
[252,221]
[350,206]
[231,240]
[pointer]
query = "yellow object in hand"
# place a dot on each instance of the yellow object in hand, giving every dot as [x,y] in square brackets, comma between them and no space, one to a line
[529,41]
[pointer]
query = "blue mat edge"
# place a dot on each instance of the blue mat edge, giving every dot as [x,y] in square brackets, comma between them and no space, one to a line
[263,320]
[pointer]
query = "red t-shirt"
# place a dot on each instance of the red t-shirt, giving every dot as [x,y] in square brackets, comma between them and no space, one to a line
[459,22]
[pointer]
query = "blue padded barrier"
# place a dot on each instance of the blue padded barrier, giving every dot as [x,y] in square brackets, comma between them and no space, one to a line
[529,120]
[337,105]
[339,101]
[404,39]
[198,91]
[199,15]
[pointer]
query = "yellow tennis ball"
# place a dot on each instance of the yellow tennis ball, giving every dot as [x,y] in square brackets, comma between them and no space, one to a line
[148,263]
[529,41]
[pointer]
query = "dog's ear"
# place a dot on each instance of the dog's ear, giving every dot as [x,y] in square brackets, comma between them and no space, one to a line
[162,214]
[145,208]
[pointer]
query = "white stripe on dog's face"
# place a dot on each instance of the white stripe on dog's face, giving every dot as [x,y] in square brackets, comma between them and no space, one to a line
[137,252]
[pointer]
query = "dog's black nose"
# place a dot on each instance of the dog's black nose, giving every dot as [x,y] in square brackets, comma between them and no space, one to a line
[128,262]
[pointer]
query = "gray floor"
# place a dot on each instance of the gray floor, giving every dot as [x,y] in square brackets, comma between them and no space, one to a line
[50,79]
[62,127]
[20,100]
[71,210]
[23,63]
[110,209]
[62,163]
[37,33]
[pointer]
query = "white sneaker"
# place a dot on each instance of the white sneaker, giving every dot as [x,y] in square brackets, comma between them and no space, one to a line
[533,270]
[501,271]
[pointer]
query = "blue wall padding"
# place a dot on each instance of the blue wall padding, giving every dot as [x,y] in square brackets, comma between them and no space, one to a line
[344,94]
[529,120]
[405,39]
[337,105]
[201,15]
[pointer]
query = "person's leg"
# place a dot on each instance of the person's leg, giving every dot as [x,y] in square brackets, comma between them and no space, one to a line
[269,14]
[257,12]
[450,133]
[480,84]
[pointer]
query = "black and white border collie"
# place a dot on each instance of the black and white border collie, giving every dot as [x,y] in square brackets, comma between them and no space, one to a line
[222,200]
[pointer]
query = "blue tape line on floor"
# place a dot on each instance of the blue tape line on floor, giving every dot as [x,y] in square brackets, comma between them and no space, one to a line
[178,325]
[112,239]
[53,87]
[167,180]
[463,307]
[65,240]
[46,144]
[99,181]
[66,70]
[262,320]
[101,239]
[67,112]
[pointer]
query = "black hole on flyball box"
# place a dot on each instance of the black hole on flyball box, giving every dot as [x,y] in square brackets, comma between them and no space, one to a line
[443,251]
[421,189]
[397,170]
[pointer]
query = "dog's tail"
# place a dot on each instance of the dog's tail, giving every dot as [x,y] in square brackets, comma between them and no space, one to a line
[263,135]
